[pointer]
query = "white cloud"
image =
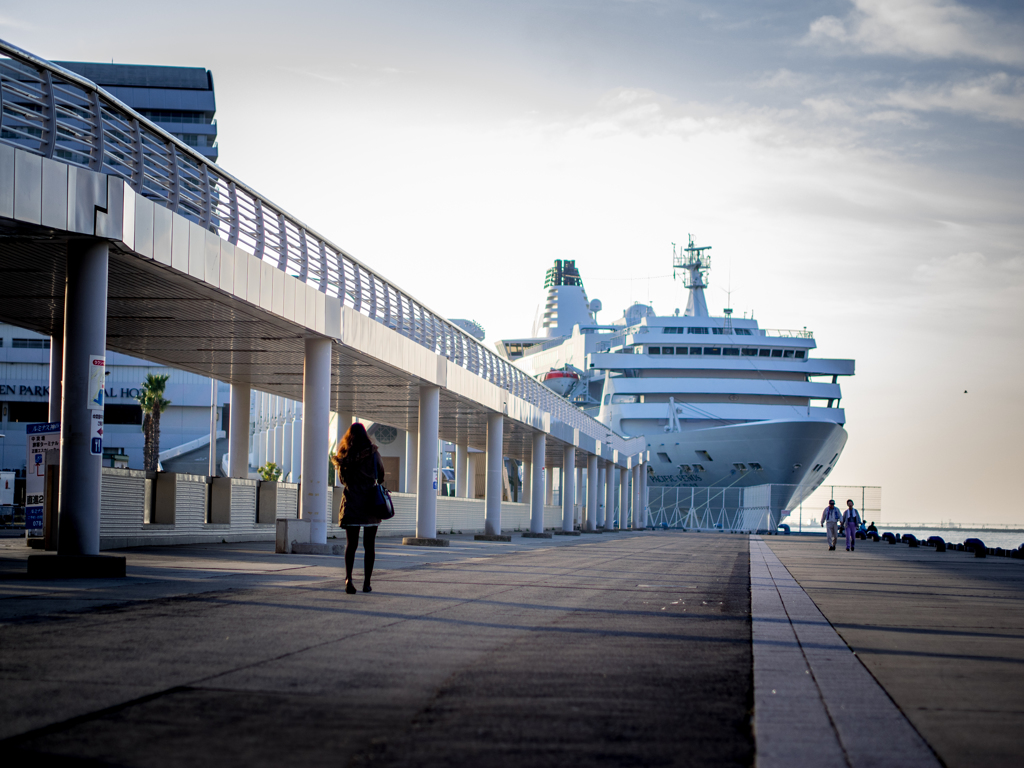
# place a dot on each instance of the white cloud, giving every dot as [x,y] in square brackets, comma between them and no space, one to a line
[995,97]
[927,28]
[7,21]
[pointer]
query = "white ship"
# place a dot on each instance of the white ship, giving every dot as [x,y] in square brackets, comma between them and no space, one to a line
[724,404]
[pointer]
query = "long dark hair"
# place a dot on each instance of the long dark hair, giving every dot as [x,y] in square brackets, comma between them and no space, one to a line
[354,443]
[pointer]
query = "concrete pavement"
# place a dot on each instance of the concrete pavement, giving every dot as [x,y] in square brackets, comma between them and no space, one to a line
[627,649]
[943,633]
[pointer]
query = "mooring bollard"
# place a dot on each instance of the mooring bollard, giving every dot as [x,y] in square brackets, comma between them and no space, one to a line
[938,542]
[910,539]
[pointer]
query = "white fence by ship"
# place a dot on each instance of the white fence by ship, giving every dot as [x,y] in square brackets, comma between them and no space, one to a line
[755,508]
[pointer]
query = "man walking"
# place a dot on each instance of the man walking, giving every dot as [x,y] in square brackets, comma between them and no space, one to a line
[851,519]
[830,519]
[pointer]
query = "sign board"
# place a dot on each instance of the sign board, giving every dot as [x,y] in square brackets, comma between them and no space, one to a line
[39,438]
[97,382]
[435,478]
[96,436]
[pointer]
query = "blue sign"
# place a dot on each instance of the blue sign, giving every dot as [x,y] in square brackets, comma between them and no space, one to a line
[42,429]
[34,518]
[97,446]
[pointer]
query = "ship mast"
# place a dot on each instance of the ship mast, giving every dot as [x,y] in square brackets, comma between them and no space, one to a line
[695,263]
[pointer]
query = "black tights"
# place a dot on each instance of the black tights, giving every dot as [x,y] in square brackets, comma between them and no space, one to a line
[369,541]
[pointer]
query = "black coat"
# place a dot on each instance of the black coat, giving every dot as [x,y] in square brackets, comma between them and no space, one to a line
[359,474]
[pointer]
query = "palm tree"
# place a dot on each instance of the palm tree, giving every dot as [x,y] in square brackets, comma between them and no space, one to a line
[153,404]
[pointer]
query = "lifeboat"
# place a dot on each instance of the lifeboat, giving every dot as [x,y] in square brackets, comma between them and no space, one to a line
[560,380]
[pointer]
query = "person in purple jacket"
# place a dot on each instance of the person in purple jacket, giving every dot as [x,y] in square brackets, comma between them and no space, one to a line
[851,519]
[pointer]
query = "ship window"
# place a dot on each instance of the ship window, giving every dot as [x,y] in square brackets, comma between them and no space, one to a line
[730,351]
[698,467]
[668,350]
[704,455]
[654,350]
[741,467]
[750,353]
[674,330]
[718,331]
[742,332]
[712,351]
[662,456]
[834,458]
[827,471]
[681,350]
[696,330]
[607,399]
[764,353]
[695,350]
[776,353]
[685,468]
[800,354]
[787,353]
[755,465]
[623,399]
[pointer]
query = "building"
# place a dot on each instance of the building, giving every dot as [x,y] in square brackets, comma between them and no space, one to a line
[178,99]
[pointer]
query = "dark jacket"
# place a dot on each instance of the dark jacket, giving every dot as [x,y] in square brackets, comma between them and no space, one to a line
[359,474]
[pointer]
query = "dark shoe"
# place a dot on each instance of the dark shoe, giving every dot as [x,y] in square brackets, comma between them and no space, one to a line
[366,587]
[847,549]
[350,587]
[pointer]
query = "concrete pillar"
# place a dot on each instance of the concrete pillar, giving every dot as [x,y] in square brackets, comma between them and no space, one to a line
[636,497]
[286,440]
[426,490]
[238,431]
[592,475]
[537,489]
[85,338]
[461,470]
[471,482]
[492,491]
[568,487]
[643,495]
[411,461]
[316,409]
[602,481]
[279,433]
[297,445]
[610,474]
[623,498]
[56,374]
[549,485]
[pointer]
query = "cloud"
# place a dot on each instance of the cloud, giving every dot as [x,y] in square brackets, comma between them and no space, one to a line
[966,270]
[922,28]
[997,97]
[7,21]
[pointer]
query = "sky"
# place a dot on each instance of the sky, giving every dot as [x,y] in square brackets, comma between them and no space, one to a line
[856,165]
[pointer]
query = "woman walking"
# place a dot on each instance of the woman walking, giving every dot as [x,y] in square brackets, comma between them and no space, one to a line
[360,467]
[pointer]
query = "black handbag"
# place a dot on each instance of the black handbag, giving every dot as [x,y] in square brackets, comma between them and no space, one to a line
[383,507]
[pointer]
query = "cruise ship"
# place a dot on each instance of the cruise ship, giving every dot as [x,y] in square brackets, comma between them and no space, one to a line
[723,403]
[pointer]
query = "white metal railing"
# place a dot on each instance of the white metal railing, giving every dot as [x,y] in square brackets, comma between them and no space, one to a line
[50,111]
[780,332]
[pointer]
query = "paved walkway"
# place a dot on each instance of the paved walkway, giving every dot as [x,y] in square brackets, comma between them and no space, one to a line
[626,649]
[942,633]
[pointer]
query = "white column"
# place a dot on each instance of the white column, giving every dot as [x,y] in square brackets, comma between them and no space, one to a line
[279,434]
[411,461]
[568,487]
[592,476]
[471,480]
[238,427]
[602,481]
[461,470]
[537,482]
[261,429]
[57,374]
[492,493]
[286,441]
[85,338]
[426,492]
[580,494]
[623,498]
[643,495]
[316,409]
[297,445]
[549,485]
[636,497]
[609,497]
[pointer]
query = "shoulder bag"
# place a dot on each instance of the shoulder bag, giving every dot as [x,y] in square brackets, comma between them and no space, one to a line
[383,507]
